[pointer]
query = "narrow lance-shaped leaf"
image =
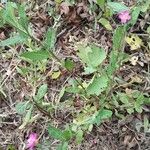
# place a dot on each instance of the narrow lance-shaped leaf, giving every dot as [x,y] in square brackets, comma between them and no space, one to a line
[36,55]
[27,118]
[17,39]
[56,133]
[41,92]
[105,23]
[97,85]
[23,17]
[50,39]
[117,7]
[115,56]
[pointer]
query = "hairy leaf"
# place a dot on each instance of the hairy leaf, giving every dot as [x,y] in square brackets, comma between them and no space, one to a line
[92,55]
[97,85]
[36,55]
[102,115]
[117,7]
[56,133]
[13,40]
[50,39]
[41,92]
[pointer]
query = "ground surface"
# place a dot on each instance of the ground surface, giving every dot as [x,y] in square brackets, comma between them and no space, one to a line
[74,25]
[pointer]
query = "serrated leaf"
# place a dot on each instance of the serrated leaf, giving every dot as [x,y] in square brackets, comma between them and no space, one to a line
[9,17]
[56,133]
[41,92]
[116,54]
[23,17]
[117,7]
[118,38]
[96,56]
[106,24]
[97,85]
[102,115]
[83,53]
[17,39]
[92,55]
[36,55]
[50,38]
[21,107]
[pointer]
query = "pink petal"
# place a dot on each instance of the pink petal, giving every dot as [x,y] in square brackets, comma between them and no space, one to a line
[124,16]
[32,141]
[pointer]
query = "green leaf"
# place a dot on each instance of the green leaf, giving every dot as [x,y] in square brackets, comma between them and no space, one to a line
[97,85]
[101,3]
[56,133]
[124,98]
[134,16]
[89,70]
[41,92]
[92,55]
[9,16]
[67,134]
[145,6]
[83,53]
[22,70]
[96,56]
[23,17]
[21,107]
[79,136]
[106,24]
[17,39]
[118,38]
[73,89]
[27,118]
[148,30]
[138,104]
[116,54]
[50,38]
[117,7]
[36,55]
[69,64]
[10,147]
[102,115]
[63,146]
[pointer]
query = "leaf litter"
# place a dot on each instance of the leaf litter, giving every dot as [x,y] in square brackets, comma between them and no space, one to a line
[75,24]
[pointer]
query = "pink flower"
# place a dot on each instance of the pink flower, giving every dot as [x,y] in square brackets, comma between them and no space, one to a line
[124,16]
[32,141]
